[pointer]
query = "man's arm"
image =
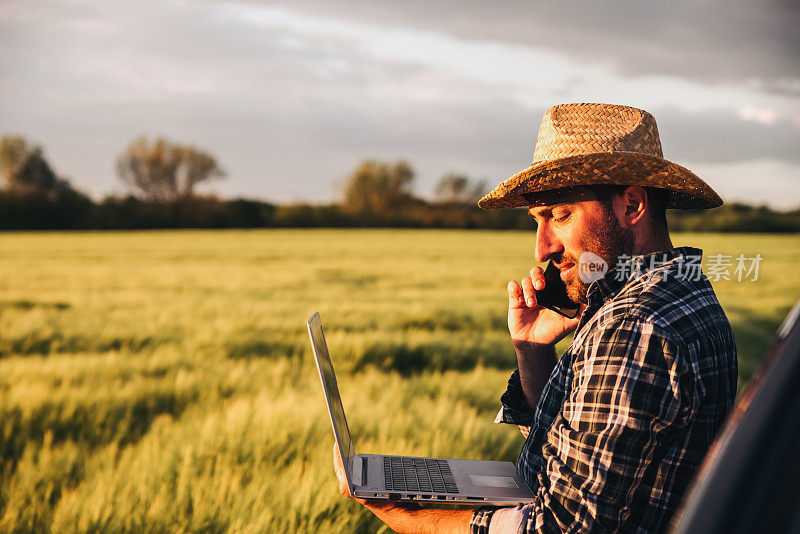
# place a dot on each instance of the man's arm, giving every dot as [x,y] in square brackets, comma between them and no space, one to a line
[534,330]
[404,520]
[535,363]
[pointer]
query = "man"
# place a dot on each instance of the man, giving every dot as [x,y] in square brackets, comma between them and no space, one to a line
[617,427]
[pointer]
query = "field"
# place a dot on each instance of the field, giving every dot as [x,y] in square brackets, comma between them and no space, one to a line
[162,382]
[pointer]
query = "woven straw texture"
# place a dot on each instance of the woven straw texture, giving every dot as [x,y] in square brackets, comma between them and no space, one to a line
[590,144]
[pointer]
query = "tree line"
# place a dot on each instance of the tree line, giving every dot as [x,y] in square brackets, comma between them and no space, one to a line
[162,176]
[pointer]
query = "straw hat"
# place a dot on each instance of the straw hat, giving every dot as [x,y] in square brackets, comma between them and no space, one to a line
[591,144]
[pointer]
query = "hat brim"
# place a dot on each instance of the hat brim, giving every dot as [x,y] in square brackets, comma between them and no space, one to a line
[687,191]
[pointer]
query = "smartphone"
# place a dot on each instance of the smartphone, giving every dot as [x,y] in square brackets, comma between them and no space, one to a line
[554,295]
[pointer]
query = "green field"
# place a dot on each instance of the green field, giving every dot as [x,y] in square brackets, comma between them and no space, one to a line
[161,381]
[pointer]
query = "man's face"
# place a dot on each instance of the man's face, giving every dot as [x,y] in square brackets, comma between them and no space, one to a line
[572,223]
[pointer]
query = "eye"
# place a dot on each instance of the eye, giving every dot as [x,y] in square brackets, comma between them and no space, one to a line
[561,216]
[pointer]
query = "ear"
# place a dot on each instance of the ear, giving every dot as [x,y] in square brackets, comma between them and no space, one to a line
[630,206]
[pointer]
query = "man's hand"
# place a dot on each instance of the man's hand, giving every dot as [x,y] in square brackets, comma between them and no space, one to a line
[529,323]
[535,330]
[405,518]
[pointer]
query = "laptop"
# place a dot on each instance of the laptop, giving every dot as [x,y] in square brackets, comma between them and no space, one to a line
[408,478]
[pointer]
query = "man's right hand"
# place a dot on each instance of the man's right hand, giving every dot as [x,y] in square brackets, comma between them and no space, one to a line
[529,323]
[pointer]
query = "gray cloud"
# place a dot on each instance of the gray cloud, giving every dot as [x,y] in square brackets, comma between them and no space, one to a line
[714,40]
[716,137]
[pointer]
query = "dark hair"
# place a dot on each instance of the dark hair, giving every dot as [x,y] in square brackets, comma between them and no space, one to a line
[657,200]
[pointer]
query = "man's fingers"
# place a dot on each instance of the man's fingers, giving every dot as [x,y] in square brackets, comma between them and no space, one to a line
[515,297]
[537,275]
[528,292]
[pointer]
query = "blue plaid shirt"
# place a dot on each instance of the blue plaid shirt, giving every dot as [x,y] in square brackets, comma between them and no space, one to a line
[631,407]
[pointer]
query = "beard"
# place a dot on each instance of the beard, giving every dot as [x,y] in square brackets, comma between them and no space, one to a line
[609,240]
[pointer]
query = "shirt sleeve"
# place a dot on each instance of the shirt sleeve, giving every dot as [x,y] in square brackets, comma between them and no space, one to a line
[630,396]
[514,407]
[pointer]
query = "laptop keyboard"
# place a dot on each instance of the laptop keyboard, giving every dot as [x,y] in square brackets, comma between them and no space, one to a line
[418,474]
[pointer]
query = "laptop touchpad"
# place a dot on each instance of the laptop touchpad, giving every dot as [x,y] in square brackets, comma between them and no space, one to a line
[492,481]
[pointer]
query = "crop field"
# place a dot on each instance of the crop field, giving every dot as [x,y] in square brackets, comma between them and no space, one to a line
[162,381]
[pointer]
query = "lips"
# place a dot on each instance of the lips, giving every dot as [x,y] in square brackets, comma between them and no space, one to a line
[566,269]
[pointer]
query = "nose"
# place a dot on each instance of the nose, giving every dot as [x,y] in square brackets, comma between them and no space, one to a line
[547,244]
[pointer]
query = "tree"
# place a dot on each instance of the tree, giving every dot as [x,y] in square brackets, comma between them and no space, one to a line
[34,196]
[14,151]
[25,169]
[451,188]
[164,171]
[457,189]
[378,190]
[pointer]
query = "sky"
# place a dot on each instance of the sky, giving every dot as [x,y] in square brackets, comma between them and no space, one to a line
[291,95]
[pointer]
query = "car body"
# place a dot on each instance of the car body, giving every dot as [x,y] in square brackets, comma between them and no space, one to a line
[750,479]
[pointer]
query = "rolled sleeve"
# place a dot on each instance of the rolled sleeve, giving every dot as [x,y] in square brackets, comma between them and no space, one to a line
[514,407]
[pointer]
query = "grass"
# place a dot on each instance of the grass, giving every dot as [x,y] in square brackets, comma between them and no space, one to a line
[162,382]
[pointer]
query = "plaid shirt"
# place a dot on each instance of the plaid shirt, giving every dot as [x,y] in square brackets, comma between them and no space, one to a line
[631,407]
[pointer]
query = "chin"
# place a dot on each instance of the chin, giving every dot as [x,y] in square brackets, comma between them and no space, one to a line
[576,291]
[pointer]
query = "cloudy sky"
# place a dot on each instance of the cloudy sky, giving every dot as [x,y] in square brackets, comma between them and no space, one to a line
[291,95]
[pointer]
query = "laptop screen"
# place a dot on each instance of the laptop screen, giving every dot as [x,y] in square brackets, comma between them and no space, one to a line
[328,378]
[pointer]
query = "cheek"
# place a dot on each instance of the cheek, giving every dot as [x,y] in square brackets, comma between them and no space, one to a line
[589,234]
[576,239]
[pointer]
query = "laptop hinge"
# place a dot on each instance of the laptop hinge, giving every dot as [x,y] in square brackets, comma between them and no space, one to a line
[359,471]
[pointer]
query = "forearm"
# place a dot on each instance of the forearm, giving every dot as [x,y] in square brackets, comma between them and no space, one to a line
[535,362]
[423,520]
